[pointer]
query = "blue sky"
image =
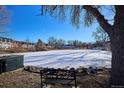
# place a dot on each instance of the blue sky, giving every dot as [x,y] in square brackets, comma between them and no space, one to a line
[26,24]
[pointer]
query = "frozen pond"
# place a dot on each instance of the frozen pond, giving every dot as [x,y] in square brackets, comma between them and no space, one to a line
[68,58]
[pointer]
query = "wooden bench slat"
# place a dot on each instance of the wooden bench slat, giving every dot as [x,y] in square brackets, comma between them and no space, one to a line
[60,81]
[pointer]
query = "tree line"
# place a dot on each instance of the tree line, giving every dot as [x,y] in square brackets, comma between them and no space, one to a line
[55,43]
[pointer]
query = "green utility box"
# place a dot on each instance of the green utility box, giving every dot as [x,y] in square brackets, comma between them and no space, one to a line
[9,63]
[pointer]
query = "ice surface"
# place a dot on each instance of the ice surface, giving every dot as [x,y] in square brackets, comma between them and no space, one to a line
[67,58]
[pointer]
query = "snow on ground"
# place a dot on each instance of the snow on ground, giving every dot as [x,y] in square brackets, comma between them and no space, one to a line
[68,58]
[71,58]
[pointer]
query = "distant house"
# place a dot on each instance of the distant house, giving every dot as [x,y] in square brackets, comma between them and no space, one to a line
[6,43]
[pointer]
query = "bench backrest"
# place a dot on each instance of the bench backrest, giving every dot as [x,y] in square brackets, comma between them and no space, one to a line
[50,73]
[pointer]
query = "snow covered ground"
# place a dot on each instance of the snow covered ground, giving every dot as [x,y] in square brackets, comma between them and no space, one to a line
[68,58]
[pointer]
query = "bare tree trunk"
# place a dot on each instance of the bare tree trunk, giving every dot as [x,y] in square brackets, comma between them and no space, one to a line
[117,46]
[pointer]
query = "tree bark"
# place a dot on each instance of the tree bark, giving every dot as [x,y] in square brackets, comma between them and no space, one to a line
[117,47]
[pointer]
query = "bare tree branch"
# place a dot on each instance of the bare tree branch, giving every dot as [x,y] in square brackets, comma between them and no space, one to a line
[100,18]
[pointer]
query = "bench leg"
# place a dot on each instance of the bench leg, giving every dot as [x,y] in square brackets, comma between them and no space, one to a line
[75,85]
[75,79]
[41,84]
[46,85]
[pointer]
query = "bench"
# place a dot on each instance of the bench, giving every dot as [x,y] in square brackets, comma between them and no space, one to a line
[58,76]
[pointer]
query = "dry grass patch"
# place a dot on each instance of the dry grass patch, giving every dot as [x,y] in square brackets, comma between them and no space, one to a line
[19,79]
[23,79]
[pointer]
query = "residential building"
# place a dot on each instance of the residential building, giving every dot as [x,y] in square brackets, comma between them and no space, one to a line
[6,43]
